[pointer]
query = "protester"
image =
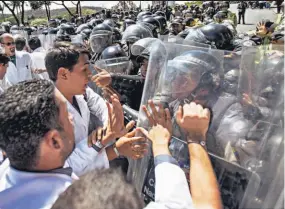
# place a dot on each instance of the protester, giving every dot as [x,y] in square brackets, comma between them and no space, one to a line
[4,63]
[241,11]
[19,67]
[38,59]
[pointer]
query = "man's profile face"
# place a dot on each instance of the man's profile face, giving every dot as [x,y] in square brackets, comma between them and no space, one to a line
[9,45]
[79,76]
[66,123]
[3,70]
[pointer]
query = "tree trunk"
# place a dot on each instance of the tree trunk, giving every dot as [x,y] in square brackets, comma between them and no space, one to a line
[23,12]
[70,13]
[47,12]
[13,12]
[80,11]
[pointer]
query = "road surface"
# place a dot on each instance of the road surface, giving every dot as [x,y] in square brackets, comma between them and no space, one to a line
[253,16]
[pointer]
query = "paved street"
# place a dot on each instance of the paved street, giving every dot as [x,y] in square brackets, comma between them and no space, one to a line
[253,16]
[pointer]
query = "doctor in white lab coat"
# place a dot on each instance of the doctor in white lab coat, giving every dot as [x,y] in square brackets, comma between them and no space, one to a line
[38,59]
[37,145]
[83,101]
[19,67]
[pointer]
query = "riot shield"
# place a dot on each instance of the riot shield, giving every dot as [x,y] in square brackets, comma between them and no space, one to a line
[188,73]
[119,65]
[261,88]
[47,40]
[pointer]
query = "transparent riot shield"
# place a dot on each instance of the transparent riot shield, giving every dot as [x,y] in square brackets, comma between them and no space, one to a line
[261,89]
[181,74]
[47,40]
[119,65]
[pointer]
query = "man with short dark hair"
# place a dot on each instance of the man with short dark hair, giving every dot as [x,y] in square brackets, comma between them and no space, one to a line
[36,132]
[38,59]
[4,63]
[68,67]
[20,43]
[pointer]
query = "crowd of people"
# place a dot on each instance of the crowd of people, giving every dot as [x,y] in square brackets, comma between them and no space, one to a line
[94,107]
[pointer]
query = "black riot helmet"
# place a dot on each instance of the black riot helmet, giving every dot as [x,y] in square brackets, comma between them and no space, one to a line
[136,32]
[127,23]
[110,22]
[101,37]
[220,16]
[79,21]
[141,14]
[52,23]
[63,20]
[199,67]
[81,28]
[66,29]
[162,22]
[153,25]
[159,13]
[117,36]
[102,27]
[95,22]
[52,31]
[86,33]
[113,52]
[189,21]
[216,34]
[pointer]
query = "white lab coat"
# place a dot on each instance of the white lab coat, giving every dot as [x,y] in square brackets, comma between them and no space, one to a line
[29,190]
[171,188]
[21,72]
[85,159]
[38,62]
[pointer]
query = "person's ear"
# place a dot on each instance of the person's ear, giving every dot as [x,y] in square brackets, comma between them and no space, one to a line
[53,140]
[62,73]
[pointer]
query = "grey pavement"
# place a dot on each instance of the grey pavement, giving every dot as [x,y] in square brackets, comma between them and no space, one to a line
[253,16]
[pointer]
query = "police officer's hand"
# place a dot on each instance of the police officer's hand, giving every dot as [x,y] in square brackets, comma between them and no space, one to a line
[131,146]
[102,79]
[158,115]
[193,119]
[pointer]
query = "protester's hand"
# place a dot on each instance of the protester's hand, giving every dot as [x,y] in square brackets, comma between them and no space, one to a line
[115,127]
[160,116]
[102,79]
[193,119]
[131,146]
[39,71]
[160,138]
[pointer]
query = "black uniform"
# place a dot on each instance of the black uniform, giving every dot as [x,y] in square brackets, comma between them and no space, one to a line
[241,11]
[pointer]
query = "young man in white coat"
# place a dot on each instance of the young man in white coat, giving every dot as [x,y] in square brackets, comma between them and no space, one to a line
[38,59]
[19,65]
[68,67]
[36,132]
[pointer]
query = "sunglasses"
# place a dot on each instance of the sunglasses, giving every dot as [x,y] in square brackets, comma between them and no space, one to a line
[9,43]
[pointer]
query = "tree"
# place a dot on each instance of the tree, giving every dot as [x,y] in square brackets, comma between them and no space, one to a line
[35,5]
[63,4]
[47,7]
[11,5]
[78,7]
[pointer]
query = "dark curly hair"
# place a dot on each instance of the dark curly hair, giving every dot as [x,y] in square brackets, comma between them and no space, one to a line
[100,189]
[28,111]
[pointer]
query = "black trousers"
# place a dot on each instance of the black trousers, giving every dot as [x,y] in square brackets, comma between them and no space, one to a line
[241,15]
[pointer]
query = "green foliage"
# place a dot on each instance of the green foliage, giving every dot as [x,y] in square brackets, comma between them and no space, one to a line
[86,11]
[35,5]
[39,21]
[189,3]
[10,19]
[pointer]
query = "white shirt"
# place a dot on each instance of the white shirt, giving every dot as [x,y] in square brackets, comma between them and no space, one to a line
[30,190]
[85,158]
[171,188]
[38,62]
[20,72]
